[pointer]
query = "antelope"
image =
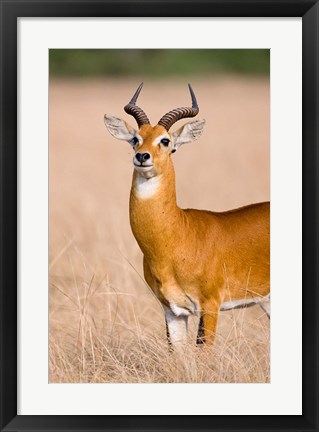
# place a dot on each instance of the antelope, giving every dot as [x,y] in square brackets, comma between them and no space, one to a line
[197,262]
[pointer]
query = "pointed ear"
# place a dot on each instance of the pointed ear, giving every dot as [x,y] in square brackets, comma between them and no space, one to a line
[188,133]
[119,128]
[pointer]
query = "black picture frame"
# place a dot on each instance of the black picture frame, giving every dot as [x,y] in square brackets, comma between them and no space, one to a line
[11,10]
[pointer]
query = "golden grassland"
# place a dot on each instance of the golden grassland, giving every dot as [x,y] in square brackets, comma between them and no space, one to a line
[105,323]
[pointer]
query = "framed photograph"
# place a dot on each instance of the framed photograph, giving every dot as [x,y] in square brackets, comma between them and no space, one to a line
[148,285]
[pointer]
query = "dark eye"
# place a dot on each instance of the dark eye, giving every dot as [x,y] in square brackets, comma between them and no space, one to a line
[135,141]
[165,141]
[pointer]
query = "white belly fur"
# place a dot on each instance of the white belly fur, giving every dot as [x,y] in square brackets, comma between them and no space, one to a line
[244,302]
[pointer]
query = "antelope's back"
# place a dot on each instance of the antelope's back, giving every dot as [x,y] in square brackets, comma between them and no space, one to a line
[246,249]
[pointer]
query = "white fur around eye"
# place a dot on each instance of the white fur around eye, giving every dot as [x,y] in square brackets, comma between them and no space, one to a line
[138,142]
[159,139]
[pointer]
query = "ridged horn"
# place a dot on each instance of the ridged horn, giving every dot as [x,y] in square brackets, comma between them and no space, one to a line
[135,111]
[176,114]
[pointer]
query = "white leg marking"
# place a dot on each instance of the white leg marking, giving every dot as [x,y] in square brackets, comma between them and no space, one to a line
[179,311]
[177,327]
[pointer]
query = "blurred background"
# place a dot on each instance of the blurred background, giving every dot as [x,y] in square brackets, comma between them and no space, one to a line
[105,324]
[159,63]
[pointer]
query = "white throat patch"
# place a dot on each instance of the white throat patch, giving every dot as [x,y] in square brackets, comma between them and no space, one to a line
[146,188]
[159,138]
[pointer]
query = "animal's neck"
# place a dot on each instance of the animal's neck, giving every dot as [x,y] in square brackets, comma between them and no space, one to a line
[154,214]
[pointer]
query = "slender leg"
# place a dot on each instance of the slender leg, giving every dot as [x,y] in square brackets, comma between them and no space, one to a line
[210,318]
[200,334]
[168,337]
[176,328]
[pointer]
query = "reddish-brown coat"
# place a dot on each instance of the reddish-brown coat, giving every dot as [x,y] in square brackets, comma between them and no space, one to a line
[197,255]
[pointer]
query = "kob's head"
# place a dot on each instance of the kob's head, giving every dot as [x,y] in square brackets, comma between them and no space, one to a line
[153,145]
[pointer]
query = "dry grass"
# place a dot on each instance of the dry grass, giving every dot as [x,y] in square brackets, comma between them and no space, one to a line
[105,324]
[103,334]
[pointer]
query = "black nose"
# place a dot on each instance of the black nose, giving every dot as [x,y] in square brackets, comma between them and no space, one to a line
[142,157]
